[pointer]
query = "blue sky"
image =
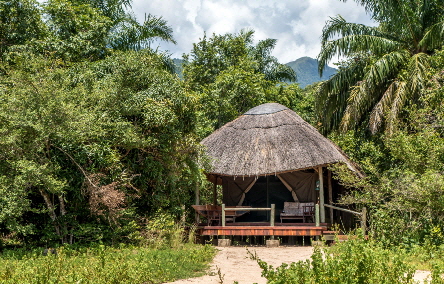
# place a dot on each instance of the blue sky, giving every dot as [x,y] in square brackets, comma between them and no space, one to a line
[297,24]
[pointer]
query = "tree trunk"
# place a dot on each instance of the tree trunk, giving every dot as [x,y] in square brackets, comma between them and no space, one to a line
[51,210]
[64,227]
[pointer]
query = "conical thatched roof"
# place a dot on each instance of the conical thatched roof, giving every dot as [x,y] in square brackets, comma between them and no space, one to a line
[269,139]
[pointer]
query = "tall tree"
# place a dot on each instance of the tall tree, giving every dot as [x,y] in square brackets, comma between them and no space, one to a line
[76,30]
[386,67]
[88,148]
[231,75]
[20,21]
[211,56]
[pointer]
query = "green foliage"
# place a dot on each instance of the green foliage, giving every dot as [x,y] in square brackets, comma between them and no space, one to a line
[20,22]
[231,75]
[354,261]
[76,30]
[103,264]
[404,186]
[210,57]
[387,67]
[113,139]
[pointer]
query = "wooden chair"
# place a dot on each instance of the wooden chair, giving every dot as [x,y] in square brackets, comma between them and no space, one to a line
[292,210]
[298,211]
[214,214]
[308,211]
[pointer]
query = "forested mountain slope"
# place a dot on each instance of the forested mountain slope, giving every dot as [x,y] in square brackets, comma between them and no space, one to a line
[306,69]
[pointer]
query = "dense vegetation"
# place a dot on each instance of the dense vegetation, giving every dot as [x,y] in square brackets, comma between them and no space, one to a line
[386,112]
[99,136]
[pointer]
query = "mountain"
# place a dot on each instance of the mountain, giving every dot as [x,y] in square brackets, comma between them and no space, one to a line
[178,62]
[306,69]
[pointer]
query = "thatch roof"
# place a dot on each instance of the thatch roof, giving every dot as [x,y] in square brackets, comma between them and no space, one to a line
[269,139]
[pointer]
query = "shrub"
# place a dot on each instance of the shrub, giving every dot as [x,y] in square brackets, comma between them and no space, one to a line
[354,261]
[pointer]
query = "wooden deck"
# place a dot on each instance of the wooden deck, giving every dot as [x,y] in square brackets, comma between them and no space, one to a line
[262,229]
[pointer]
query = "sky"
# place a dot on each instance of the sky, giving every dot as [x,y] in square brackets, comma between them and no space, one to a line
[296,24]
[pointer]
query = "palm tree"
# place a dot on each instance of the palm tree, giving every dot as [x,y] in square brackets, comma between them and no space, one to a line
[268,64]
[386,66]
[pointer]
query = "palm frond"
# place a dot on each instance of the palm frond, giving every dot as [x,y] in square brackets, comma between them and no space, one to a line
[399,100]
[361,98]
[354,44]
[380,110]
[386,67]
[280,72]
[130,35]
[156,27]
[247,34]
[433,38]
[410,89]
[418,69]
[332,95]
[368,92]
[338,26]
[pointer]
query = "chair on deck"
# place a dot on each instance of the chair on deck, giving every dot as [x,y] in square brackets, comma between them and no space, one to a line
[298,211]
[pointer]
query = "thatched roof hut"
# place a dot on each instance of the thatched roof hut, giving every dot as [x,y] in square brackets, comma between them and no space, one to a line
[267,140]
[272,141]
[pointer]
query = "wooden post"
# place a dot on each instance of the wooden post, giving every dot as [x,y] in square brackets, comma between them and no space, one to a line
[317,215]
[364,220]
[215,192]
[321,195]
[223,215]
[273,207]
[330,195]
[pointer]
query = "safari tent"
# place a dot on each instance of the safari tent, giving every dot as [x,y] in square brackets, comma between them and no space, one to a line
[270,155]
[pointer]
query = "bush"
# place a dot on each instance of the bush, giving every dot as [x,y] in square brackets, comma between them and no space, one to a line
[354,261]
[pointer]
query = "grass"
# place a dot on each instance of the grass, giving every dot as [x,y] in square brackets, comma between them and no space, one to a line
[426,257]
[103,264]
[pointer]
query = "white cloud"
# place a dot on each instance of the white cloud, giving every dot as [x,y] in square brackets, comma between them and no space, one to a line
[296,24]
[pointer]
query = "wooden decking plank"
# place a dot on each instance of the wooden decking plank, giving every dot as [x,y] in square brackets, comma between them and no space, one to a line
[262,230]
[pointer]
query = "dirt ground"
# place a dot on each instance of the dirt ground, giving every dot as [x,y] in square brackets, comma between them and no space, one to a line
[234,264]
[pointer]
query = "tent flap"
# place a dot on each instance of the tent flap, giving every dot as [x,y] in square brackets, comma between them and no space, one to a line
[234,189]
[302,183]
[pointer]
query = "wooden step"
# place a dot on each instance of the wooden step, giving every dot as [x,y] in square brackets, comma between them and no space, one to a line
[330,232]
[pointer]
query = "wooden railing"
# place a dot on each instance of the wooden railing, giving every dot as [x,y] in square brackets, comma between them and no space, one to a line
[272,209]
[362,214]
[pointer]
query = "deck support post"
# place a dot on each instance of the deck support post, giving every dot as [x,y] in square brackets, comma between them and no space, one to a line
[273,210]
[321,194]
[223,215]
[330,196]
[364,220]
[317,215]
[273,207]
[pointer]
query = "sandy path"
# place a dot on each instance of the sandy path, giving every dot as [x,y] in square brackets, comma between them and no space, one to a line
[234,264]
